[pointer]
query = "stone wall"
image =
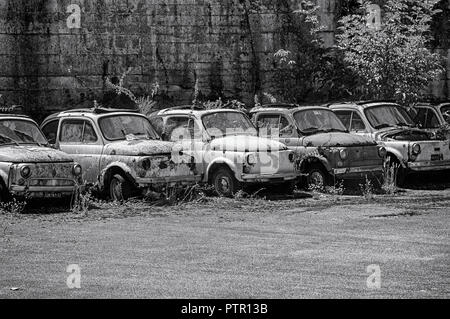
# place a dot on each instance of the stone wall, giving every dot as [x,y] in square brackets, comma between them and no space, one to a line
[47,63]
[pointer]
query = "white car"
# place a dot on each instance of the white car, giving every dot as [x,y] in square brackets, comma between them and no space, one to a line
[227,149]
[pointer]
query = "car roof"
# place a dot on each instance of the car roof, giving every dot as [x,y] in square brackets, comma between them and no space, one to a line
[14,111]
[285,108]
[189,110]
[92,113]
[436,105]
[362,104]
[15,116]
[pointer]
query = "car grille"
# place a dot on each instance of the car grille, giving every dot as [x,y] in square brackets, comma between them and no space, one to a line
[51,183]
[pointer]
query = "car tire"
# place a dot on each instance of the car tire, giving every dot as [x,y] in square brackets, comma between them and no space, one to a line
[316,177]
[120,189]
[225,183]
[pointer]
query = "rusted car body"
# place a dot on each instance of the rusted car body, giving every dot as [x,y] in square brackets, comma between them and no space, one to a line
[227,148]
[327,150]
[411,149]
[431,117]
[120,151]
[28,167]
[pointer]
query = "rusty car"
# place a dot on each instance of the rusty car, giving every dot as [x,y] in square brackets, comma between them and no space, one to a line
[120,152]
[409,149]
[328,152]
[29,168]
[228,150]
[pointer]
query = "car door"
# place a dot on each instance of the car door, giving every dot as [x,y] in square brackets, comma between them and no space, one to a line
[50,131]
[185,131]
[427,119]
[353,122]
[280,127]
[79,138]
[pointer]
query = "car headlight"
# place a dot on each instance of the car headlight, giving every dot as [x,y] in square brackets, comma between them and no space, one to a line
[382,152]
[77,170]
[251,160]
[416,149]
[25,172]
[343,154]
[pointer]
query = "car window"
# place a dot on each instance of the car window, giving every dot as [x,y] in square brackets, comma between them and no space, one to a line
[158,125]
[123,127]
[50,131]
[181,128]
[17,131]
[275,126]
[345,117]
[426,118]
[357,123]
[77,131]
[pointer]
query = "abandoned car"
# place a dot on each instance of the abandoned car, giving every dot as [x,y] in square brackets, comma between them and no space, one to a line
[119,151]
[326,150]
[29,168]
[226,146]
[409,149]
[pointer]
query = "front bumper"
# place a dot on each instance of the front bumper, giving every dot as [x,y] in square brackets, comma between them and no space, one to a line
[270,179]
[42,192]
[358,172]
[429,166]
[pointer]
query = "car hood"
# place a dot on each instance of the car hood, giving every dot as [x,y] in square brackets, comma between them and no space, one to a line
[244,143]
[402,134]
[32,154]
[139,148]
[337,140]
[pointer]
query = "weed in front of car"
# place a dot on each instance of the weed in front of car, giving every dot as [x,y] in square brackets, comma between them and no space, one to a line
[368,190]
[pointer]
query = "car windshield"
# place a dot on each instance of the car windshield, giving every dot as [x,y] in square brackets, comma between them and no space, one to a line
[20,132]
[385,116]
[127,127]
[317,121]
[222,124]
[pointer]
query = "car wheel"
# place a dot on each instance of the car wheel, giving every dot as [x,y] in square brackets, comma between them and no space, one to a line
[119,189]
[316,177]
[225,184]
[401,172]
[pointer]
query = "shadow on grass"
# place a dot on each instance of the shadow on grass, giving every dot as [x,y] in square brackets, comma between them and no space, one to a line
[428,181]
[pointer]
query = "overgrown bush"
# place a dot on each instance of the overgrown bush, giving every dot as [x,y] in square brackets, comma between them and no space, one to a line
[391,59]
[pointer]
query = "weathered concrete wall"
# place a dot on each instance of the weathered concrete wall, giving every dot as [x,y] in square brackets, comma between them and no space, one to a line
[44,64]
[47,65]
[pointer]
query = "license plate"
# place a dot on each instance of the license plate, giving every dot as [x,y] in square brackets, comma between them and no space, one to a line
[437,157]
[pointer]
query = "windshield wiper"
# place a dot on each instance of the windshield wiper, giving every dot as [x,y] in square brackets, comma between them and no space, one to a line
[9,141]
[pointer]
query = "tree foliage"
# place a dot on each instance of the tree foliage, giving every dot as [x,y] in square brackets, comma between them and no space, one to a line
[305,70]
[392,61]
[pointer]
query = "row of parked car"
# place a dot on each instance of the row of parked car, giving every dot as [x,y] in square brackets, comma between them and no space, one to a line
[123,153]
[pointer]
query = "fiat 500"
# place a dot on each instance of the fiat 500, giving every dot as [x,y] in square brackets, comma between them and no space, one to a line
[410,149]
[327,150]
[228,150]
[119,151]
[28,167]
